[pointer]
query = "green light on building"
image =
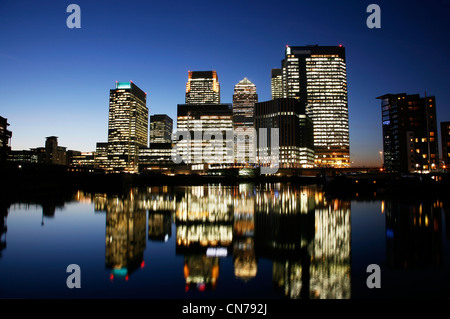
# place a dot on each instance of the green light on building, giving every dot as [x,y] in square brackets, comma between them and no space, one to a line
[123,85]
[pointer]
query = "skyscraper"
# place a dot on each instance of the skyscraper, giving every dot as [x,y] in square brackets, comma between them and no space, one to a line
[161,126]
[445,140]
[277,83]
[207,127]
[296,146]
[202,88]
[159,152]
[409,133]
[127,127]
[317,76]
[244,99]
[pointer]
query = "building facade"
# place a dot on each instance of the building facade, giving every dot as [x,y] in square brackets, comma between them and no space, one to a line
[244,99]
[54,154]
[316,75]
[296,144]
[5,139]
[410,138]
[101,156]
[161,127]
[277,83]
[206,129]
[445,140]
[202,88]
[127,126]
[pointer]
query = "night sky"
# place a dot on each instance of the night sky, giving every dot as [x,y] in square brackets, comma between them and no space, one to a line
[56,80]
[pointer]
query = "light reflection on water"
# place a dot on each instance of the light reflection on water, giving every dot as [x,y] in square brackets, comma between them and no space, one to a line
[272,241]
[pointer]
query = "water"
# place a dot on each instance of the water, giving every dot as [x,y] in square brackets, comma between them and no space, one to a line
[271,241]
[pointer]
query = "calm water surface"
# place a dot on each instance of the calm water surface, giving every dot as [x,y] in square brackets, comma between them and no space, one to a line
[271,241]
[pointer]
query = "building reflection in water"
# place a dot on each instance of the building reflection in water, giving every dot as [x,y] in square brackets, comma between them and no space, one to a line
[3,227]
[330,262]
[414,234]
[308,237]
[204,233]
[244,255]
[125,235]
[161,205]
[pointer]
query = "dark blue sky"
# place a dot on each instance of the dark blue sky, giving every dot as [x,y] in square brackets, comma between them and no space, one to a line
[56,80]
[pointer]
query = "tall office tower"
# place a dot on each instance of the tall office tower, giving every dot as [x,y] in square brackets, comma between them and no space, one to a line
[161,126]
[5,138]
[127,127]
[202,88]
[244,99]
[277,83]
[296,145]
[445,140]
[409,133]
[207,127]
[317,76]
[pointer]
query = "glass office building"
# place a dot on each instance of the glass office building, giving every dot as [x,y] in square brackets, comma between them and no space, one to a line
[410,141]
[208,130]
[161,126]
[316,75]
[202,88]
[127,126]
[244,99]
[296,146]
[277,83]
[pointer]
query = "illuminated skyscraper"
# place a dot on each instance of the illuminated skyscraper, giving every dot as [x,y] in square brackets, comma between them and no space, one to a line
[410,141]
[244,99]
[208,127]
[202,88]
[317,76]
[127,127]
[445,140]
[161,126]
[277,83]
[296,146]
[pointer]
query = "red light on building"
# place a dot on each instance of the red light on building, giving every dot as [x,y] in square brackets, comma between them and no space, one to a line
[111,277]
[142,264]
[126,277]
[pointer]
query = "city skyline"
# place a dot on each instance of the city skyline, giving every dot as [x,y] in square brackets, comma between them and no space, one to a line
[44,58]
